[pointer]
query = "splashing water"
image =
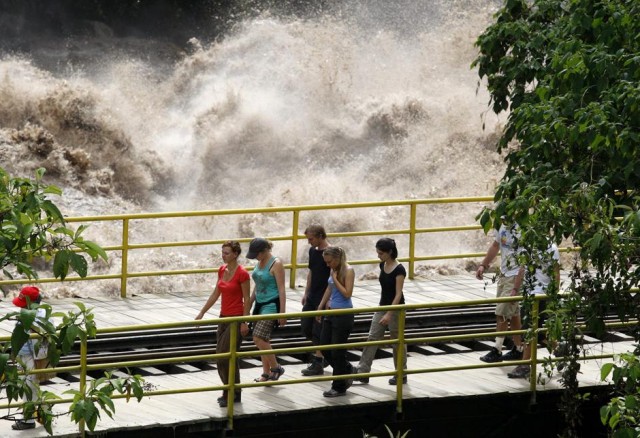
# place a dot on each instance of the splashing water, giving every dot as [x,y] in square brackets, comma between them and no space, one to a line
[375,103]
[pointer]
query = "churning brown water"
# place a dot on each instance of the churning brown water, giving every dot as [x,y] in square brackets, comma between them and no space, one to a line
[375,103]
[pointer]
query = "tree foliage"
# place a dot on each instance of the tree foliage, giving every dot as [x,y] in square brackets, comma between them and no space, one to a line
[622,412]
[60,338]
[568,74]
[31,225]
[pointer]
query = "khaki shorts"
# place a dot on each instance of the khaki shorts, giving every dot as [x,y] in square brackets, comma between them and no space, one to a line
[507,310]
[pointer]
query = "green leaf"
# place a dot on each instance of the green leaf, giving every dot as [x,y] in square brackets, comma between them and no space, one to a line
[631,402]
[91,415]
[79,410]
[80,305]
[70,335]
[61,264]
[52,210]
[40,171]
[95,251]
[18,338]
[605,370]
[138,391]
[106,403]
[4,359]
[78,264]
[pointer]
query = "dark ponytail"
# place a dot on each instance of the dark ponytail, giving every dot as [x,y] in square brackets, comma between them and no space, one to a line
[389,246]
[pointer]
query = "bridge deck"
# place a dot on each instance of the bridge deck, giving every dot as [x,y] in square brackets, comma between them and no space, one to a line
[202,407]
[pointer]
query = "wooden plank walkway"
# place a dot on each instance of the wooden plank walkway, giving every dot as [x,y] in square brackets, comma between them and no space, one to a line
[182,306]
[201,407]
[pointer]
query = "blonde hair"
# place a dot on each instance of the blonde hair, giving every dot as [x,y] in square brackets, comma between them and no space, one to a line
[337,253]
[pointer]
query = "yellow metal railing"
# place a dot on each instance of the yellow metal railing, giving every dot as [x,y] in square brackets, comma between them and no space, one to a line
[411,231]
[232,355]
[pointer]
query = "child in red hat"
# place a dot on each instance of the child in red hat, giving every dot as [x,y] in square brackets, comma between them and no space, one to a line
[28,294]
[27,355]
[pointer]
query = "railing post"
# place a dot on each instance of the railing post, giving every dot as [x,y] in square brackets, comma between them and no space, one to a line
[412,240]
[83,379]
[400,360]
[294,249]
[231,391]
[533,345]
[125,255]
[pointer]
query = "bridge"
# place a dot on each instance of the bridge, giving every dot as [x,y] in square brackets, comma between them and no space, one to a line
[443,370]
[448,324]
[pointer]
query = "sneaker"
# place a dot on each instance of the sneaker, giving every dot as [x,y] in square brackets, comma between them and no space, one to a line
[394,381]
[513,354]
[223,402]
[520,372]
[492,356]
[334,393]
[23,425]
[315,368]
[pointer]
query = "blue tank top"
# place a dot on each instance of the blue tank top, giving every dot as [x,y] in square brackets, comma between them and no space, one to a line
[266,287]
[337,300]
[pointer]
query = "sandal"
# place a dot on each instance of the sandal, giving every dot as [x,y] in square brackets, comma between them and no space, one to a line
[264,377]
[276,373]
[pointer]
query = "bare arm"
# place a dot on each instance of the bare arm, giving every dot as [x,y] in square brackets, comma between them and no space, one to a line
[517,283]
[345,289]
[210,302]
[278,272]
[396,299]
[246,311]
[252,299]
[492,252]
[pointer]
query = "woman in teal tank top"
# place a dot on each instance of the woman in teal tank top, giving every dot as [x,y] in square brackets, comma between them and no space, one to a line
[269,297]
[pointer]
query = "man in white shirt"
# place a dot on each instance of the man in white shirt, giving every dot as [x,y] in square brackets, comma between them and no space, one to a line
[541,281]
[507,314]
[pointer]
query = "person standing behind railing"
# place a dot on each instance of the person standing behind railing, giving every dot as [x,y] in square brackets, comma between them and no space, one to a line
[317,277]
[32,350]
[233,286]
[269,297]
[392,275]
[542,280]
[337,328]
[507,314]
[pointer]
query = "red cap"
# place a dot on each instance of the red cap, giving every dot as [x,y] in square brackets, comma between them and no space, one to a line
[30,292]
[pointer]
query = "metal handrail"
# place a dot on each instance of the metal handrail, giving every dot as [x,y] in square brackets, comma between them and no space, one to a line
[83,368]
[125,245]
